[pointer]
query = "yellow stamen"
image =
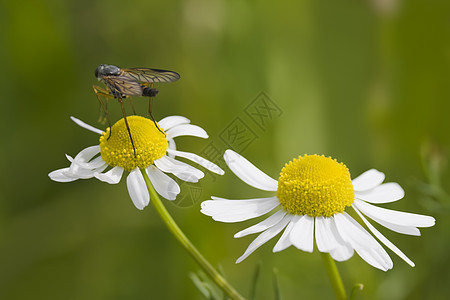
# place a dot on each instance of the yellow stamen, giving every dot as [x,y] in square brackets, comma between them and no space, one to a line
[316,186]
[150,144]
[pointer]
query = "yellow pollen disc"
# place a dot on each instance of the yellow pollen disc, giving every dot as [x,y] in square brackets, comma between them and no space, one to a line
[315,185]
[149,142]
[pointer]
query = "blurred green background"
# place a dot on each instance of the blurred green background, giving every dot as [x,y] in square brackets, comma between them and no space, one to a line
[366,82]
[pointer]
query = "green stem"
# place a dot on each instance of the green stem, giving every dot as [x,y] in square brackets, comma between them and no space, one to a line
[190,248]
[334,276]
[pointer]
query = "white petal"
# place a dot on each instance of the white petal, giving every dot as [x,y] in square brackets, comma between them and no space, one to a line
[248,173]
[263,238]
[137,189]
[86,126]
[302,233]
[368,180]
[199,160]
[95,163]
[344,251]
[84,156]
[394,217]
[172,121]
[325,239]
[87,154]
[385,193]
[261,226]
[229,211]
[79,169]
[85,173]
[179,169]
[163,184]
[384,240]
[113,176]
[374,258]
[62,175]
[186,129]
[82,167]
[363,243]
[172,146]
[285,241]
[409,230]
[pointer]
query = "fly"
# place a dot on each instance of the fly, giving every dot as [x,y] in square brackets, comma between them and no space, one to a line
[124,83]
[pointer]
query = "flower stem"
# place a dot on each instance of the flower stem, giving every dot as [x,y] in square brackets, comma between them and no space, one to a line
[186,243]
[334,276]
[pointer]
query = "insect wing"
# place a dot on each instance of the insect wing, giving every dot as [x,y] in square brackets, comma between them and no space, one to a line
[121,86]
[150,75]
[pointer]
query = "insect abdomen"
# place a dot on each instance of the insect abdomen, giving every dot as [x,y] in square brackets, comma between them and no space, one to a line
[149,92]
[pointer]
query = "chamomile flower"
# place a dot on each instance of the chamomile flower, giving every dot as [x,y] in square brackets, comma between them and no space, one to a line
[312,195]
[155,153]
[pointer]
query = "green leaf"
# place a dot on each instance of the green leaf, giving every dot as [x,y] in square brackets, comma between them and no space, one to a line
[276,285]
[200,285]
[356,287]
[254,282]
[206,287]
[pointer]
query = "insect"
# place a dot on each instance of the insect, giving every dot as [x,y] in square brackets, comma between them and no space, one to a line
[123,83]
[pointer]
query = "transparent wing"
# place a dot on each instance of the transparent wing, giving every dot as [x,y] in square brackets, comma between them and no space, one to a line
[150,75]
[121,86]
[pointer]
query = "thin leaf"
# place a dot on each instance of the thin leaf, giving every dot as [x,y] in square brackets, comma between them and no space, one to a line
[254,282]
[276,285]
[199,285]
[357,287]
[206,286]
[222,272]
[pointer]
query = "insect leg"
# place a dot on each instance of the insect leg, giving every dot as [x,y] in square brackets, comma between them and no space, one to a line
[150,102]
[151,116]
[126,123]
[132,105]
[99,92]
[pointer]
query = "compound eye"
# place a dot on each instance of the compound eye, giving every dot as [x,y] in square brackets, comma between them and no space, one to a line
[97,70]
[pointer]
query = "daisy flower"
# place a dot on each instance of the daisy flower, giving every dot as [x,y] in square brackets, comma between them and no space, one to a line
[312,194]
[155,153]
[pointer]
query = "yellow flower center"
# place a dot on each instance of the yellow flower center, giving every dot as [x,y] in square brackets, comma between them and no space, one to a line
[149,142]
[315,185]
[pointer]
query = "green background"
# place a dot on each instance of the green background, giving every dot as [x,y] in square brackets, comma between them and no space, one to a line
[366,82]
